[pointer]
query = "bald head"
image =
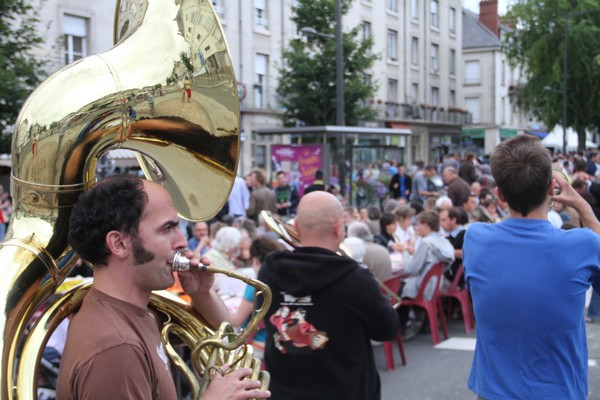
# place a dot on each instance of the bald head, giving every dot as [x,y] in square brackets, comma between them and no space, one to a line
[319,220]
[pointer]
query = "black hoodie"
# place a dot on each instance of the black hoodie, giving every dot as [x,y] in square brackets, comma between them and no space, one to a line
[325,311]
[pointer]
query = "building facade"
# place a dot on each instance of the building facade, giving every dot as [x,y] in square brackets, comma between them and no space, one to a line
[424,75]
[488,79]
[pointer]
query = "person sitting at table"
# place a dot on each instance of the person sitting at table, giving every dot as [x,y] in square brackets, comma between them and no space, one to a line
[376,257]
[386,238]
[405,230]
[432,249]
[260,247]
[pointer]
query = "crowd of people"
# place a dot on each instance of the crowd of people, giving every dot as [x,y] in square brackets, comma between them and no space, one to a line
[319,328]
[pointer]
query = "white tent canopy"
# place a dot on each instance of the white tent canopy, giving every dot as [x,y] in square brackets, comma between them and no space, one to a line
[555,139]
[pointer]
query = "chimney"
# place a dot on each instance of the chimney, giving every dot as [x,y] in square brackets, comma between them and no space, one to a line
[488,15]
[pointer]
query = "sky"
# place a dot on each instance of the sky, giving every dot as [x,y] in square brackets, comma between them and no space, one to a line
[473,5]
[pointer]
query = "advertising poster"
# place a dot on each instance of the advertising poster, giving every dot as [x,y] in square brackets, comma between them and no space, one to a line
[300,162]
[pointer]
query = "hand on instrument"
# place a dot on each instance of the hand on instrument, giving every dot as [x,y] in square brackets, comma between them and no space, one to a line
[196,280]
[233,386]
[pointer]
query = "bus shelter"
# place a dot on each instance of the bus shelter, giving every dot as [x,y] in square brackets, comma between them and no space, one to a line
[349,156]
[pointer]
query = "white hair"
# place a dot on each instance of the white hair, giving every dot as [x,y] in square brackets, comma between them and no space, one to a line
[356,247]
[360,230]
[444,199]
[227,238]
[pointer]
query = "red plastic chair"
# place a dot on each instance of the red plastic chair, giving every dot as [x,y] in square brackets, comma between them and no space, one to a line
[463,297]
[433,307]
[393,284]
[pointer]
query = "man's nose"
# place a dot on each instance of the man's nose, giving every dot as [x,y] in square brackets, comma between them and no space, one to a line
[179,242]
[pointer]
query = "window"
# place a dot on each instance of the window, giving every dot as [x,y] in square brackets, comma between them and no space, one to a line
[452,61]
[503,74]
[392,97]
[392,5]
[368,81]
[366,30]
[414,92]
[414,51]
[473,105]
[434,58]
[75,34]
[435,17]
[260,9]
[261,155]
[260,81]
[392,43]
[435,96]
[414,9]
[452,98]
[452,20]
[472,72]
[392,90]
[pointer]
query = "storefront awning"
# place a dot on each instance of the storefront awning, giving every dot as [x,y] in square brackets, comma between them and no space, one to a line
[474,133]
[508,133]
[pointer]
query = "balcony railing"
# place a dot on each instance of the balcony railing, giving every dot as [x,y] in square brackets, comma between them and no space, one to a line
[259,99]
[403,111]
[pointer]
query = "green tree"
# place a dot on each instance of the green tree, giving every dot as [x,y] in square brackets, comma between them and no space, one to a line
[20,72]
[537,46]
[307,79]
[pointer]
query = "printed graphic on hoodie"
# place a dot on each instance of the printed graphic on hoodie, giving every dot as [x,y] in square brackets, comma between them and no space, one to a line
[296,335]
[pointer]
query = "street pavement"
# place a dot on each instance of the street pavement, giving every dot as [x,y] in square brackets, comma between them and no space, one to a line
[441,372]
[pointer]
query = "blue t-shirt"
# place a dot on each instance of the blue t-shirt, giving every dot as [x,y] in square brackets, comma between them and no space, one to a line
[528,281]
[261,334]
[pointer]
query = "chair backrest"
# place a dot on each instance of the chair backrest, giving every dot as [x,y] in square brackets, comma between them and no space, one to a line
[459,273]
[393,284]
[436,271]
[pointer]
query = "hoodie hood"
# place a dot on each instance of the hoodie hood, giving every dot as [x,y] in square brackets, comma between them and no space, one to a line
[306,269]
[440,247]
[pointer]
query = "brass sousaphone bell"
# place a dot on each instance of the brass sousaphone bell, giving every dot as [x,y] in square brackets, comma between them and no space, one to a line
[165,90]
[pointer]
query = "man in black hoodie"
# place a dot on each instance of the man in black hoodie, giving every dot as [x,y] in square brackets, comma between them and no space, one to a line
[325,311]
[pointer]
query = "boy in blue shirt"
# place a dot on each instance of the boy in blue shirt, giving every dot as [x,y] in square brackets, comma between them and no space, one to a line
[528,281]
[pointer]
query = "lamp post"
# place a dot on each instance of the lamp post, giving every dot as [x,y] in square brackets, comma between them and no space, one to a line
[340,117]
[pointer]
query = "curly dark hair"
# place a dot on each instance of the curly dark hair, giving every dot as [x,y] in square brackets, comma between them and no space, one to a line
[114,204]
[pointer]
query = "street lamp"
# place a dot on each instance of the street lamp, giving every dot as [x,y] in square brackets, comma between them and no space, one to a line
[339,60]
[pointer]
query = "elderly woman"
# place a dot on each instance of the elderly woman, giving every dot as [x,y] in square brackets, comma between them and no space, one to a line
[225,247]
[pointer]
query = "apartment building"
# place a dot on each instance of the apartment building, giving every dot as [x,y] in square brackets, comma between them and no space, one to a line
[419,74]
[488,78]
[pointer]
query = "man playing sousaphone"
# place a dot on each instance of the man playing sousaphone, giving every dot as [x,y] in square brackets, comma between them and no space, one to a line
[325,311]
[127,228]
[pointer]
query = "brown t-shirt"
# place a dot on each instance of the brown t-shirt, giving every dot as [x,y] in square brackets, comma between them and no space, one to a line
[114,351]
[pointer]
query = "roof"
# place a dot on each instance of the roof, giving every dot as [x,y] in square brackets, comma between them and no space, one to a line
[475,34]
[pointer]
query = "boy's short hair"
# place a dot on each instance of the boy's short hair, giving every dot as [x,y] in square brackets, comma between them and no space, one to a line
[522,169]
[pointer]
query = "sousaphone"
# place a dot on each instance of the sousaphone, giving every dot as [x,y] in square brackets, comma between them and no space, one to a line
[134,97]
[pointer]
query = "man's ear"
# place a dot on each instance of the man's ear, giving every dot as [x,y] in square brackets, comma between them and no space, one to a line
[337,228]
[499,194]
[297,227]
[118,244]
[553,185]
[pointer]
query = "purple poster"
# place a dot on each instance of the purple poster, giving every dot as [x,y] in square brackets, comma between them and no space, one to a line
[300,162]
